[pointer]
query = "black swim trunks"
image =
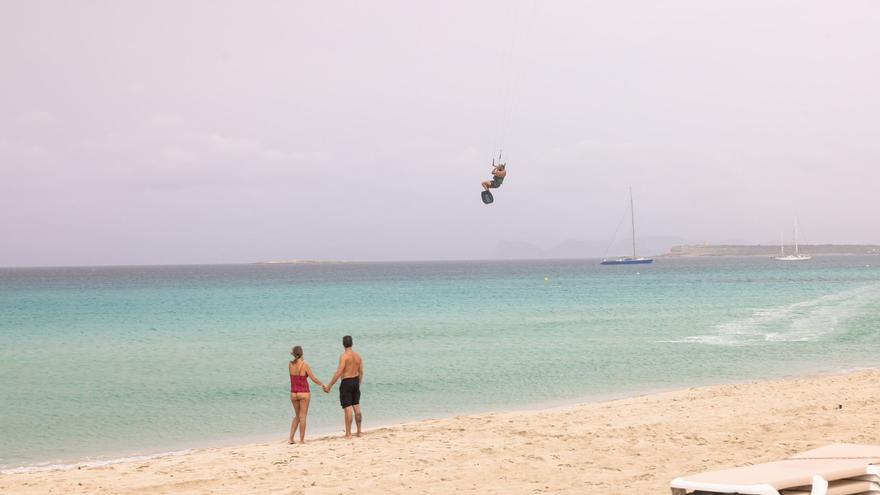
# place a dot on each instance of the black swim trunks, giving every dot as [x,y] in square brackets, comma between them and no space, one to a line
[350,392]
[496,182]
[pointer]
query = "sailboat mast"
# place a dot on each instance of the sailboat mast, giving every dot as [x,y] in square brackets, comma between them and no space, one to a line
[796,252]
[632,219]
[781,244]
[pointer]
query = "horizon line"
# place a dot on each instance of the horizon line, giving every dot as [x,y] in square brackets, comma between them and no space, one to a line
[308,261]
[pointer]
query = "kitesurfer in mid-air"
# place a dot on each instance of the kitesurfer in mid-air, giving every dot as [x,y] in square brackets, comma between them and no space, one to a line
[499,172]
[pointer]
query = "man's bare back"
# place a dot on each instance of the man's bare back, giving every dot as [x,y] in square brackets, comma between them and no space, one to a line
[352,364]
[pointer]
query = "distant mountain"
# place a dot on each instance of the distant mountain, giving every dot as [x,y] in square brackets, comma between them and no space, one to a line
[581,248]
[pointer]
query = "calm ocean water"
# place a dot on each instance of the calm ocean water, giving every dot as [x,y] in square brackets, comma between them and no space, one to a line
[104,362]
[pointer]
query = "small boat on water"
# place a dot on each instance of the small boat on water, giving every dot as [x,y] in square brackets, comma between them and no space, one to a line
[629,260]
[797,256]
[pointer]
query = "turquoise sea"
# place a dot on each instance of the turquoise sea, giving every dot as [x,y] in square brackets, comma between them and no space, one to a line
[116,361]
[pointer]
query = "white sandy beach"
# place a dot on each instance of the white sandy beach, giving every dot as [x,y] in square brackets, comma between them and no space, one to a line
[633,446]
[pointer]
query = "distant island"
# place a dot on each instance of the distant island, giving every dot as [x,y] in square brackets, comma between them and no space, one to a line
[769,250]
[300,262]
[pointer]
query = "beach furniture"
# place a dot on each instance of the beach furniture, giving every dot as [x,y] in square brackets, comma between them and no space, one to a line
[838,469]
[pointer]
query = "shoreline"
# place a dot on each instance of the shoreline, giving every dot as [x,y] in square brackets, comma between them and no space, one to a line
[318,433]
[708,425]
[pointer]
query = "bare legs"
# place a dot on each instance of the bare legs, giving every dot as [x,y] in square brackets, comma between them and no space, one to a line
[303,414]
[349,412]
[295,423]
[487,184]
[357,418]
[301,409]
[348,421]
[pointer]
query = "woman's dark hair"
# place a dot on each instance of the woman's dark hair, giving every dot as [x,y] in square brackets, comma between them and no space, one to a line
[346,341]
[297,353]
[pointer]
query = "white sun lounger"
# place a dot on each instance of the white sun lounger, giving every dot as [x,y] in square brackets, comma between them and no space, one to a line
[839,469]
[844,487]
[849,451]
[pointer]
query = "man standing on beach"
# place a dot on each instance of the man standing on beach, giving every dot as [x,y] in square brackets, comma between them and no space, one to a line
[351,370]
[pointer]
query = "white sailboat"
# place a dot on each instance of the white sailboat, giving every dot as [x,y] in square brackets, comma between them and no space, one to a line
[797,256]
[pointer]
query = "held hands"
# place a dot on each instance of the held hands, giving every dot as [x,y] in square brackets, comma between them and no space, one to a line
[326,389]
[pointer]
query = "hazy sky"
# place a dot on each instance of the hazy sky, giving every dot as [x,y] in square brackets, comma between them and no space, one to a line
[219,131]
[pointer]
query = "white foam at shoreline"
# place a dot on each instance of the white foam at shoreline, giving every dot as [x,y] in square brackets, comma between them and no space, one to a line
[34,468]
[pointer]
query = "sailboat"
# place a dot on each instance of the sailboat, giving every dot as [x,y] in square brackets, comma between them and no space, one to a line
[797,256]
[629,260]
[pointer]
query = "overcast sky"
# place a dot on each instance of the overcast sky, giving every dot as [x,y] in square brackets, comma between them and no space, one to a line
[218,131]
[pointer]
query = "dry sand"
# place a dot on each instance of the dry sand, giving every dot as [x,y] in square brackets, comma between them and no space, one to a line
[632,446]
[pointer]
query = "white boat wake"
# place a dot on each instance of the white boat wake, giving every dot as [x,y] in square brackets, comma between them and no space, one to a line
[798,322]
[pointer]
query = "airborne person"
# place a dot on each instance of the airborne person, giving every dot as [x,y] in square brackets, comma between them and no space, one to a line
[499,172]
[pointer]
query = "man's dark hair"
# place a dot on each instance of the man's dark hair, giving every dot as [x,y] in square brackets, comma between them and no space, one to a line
[346,341]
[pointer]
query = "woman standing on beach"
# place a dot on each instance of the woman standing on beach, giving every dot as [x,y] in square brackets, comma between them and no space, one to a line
[300,394]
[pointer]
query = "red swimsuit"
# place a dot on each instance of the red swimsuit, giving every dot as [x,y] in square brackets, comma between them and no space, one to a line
[299,384]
